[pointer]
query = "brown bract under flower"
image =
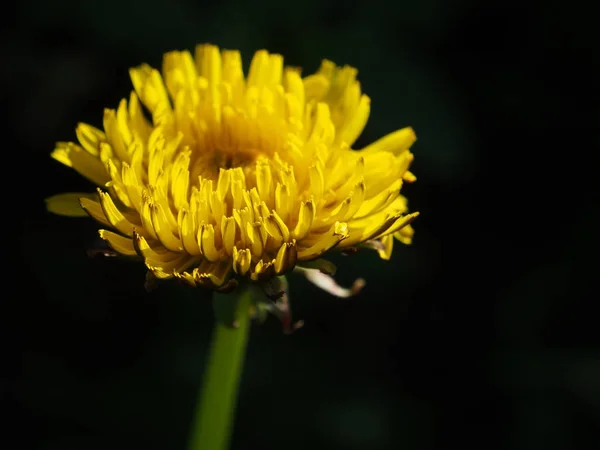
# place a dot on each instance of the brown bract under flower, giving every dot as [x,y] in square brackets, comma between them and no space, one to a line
[238,176]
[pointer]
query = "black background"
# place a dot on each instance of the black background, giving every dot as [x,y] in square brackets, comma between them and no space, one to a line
[482,333]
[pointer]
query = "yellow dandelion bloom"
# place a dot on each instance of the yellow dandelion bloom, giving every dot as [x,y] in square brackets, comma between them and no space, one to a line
[239,176]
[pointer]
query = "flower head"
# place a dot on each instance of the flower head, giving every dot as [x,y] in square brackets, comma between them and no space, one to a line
[239,176]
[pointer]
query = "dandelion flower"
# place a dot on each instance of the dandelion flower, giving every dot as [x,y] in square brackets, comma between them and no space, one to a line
[211,176]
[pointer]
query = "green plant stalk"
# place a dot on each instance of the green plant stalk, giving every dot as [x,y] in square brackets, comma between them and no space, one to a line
[215,409]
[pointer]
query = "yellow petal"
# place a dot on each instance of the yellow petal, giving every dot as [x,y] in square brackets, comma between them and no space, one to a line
[233,74]
[132,186]
[149,86]
[89,166]
[399,223]
[68,204]
[163,231]
[305,220]
[139,123]
[116,186]
[395,142]
[125,133]
[264,181]
[223,183]
[263,270]
[378,228]
[146,215]
[409,177]
[323,129]
[208,61]
[157,254]
[317,182]
[258,74]
[187,277]
[275,70]
[385,252]
[276,228]
[323,242]
[90,138]
[113,135]
[254,238]
[379,201]
[358,197]
[355,126]
[316,86]
[213,275]
[180,72]
[286,257]
[206,238]
[241,261]
[404,161]
[188,234]
[338,213]
[169,269]
[293,85]
[118,243]
[114,216]
[381,170]
[161,261]
[283,201]
[405,234]
[94,209]
[228,232]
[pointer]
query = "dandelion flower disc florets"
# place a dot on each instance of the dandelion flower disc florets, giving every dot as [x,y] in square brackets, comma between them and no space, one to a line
[240,176]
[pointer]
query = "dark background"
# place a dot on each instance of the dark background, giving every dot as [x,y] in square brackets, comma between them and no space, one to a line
[482,333]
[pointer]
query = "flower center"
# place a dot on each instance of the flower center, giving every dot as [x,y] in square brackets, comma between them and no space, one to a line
[208,165]
[231,160]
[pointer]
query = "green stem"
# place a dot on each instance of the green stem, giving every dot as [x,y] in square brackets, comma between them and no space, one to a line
[212,425]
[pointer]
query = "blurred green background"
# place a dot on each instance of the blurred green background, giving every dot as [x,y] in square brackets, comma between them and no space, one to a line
[482,333]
